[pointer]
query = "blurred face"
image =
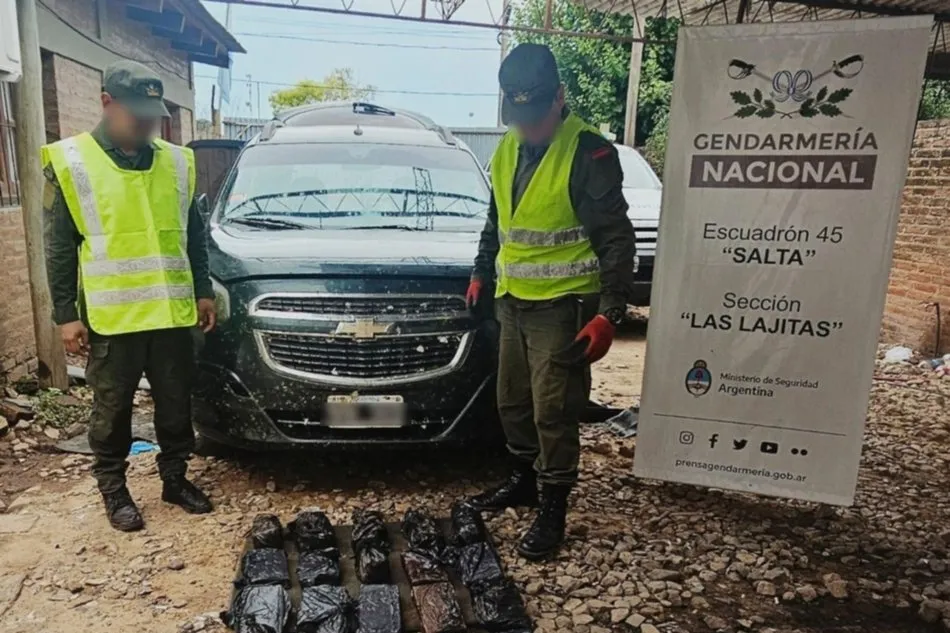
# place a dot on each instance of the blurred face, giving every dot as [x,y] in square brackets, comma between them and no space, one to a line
[125,128]
[542,131]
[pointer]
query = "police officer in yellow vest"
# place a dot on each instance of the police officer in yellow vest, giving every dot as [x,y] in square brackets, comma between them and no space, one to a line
[127,262]
[560,249]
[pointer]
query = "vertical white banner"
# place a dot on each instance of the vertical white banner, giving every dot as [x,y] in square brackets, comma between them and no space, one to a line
[787,154]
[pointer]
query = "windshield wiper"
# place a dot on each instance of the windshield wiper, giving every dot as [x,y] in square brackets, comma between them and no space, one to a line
[389,227]
[267,223]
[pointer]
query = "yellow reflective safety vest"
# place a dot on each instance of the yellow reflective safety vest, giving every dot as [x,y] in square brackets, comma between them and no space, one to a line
[133,260]
[544,251]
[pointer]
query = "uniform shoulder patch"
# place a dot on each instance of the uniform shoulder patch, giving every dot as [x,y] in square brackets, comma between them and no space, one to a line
[603,172]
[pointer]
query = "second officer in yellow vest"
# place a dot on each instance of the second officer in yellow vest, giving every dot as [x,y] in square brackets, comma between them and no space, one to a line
[120,221]
[560,250]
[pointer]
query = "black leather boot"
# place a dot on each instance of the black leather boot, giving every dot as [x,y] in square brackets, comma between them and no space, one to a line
[547,532]
[182,492]
[123,514]
[520,489]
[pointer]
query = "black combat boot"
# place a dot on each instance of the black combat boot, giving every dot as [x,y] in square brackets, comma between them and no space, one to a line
[520,489]
[547,532]
[182,492]
[122,511]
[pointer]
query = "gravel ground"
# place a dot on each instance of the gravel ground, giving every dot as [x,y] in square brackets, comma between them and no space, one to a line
[641,557]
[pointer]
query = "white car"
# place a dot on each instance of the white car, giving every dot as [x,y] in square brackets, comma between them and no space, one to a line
[643,192]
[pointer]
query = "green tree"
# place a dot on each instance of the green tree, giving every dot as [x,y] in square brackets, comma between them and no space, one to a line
[596,72]
[935,100]
[339,85]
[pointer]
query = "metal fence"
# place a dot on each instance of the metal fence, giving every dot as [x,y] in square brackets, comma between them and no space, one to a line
[481,140]
[241,129]
[9,179]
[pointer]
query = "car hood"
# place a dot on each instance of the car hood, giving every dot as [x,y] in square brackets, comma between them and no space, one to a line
[644,203]
[240,252]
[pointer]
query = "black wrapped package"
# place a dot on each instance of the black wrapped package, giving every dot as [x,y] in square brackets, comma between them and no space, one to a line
[423,534]
[499,607]
[319,567]
[264,567]
[326,609]
[438,608]
[478,566]
[371,546]
[261,609]
[266,531]
[312,530]
[467,525]
[422,570]
[379,609]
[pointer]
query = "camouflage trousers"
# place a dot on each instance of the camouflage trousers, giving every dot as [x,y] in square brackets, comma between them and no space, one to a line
[539,400]
[114,369]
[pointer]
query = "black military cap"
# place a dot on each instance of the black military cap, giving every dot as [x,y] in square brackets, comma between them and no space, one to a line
[137,87]
[529,83]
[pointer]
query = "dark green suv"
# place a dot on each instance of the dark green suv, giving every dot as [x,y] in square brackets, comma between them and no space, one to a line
[341,246]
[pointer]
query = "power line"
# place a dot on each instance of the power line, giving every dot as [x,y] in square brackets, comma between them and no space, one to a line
[369,29]
[493,95]
[303,38]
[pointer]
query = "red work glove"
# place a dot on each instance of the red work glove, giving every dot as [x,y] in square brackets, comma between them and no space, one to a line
[599,331]
[473,293]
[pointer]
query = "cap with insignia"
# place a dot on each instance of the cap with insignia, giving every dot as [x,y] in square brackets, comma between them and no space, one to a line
[529,83]
[137,87]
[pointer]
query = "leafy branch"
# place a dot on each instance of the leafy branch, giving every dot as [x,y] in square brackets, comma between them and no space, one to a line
[752,105]
[824,103]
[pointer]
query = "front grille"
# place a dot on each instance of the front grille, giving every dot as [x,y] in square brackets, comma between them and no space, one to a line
[345,307]
[384,357]
[646,234]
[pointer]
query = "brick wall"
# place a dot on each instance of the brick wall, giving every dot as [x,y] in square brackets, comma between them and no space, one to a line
[77,91]
[183,126]
[921,269]
[125,37]
[17,346]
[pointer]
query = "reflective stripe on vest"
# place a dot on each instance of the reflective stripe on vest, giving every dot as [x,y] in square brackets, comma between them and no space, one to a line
[529,237]
[544,253]
[134,227]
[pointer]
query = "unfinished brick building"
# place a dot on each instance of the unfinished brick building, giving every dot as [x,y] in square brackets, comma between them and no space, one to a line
[78,39]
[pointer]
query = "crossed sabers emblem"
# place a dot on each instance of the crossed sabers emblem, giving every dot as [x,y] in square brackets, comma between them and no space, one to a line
[796,87]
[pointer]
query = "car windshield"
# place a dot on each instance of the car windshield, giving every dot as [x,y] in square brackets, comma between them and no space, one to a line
[636,171]
[339,186]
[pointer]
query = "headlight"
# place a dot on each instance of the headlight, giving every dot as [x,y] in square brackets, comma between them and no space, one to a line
[222,300]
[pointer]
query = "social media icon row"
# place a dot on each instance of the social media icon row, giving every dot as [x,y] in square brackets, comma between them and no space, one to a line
[739,444]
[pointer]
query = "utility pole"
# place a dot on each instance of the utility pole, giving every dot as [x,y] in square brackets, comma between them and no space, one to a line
[503,40]
[30,135]
[633,87]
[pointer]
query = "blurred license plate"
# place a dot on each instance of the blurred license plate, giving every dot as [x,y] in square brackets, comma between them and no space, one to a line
[365,412]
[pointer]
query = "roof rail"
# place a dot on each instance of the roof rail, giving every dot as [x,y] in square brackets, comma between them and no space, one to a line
[267,133]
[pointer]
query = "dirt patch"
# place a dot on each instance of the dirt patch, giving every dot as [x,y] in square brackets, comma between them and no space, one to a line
[639,554]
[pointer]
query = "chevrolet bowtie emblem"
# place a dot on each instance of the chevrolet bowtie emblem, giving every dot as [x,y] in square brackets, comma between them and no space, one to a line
[521,97]
[363,328]
[152,91]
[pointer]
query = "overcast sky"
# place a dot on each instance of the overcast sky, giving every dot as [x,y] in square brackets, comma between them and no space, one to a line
[281,50]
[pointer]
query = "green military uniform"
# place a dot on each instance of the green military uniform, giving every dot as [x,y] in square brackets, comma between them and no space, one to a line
[540,400]
[117,362]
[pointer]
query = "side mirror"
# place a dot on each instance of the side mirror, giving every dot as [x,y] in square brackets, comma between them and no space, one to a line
[204,207]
